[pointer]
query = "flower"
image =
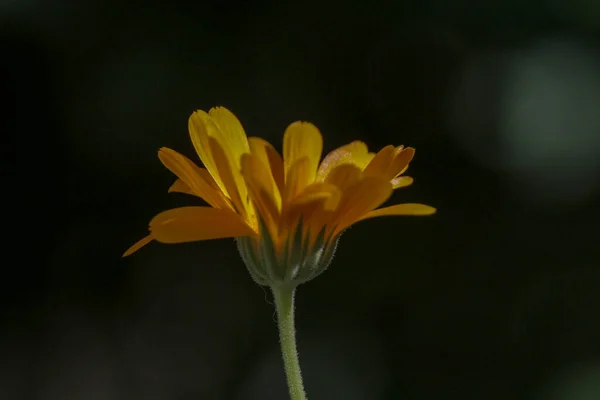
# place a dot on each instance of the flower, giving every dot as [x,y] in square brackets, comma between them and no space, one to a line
[288,212]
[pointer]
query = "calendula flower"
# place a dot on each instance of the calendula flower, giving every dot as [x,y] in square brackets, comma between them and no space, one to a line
[286,212]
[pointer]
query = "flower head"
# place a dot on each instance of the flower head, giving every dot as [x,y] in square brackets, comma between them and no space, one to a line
[288,212]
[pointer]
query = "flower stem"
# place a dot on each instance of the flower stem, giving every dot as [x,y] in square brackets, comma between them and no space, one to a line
[284,302]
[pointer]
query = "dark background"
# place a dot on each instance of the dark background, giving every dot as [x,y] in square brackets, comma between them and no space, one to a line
[495,297]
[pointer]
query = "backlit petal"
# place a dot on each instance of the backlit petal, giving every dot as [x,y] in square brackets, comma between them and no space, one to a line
[261,189]
[401,209]
[267,154]
[231,178]
[400,162]
[343,176]
[402,181]
[355,153]
[201,128]
[296,180]
[221,125]
[300,211]
[196,179]
[138,245]
[180,186]
[233,135]
[190,224]
[316,204]
[300,140]
[381,162]
[366,195]
[316,191]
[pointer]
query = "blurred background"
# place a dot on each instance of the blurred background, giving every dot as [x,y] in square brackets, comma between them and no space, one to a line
[495,297]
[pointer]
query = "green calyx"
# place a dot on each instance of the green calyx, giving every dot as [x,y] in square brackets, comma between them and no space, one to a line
[299,261]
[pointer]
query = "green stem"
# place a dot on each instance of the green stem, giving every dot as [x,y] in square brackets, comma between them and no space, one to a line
[284,302]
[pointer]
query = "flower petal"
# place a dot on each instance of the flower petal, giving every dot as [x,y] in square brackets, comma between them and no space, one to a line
[201,127]
[366,195]
[316,191]
[296,180]
[180,186]
[267,154]
[401,209]
[300,140]
[261,190]
[343,176]
[233,135]
[400,162]
[355,153]
[221,125]
[231,178]
[381,162]
[316,204]
[402,181]
[198,180]
[190,224]
[138,245]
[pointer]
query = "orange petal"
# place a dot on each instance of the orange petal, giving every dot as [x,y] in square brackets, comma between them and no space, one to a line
[400,162]
[316,191]
[355,153]
[196,179]
[300,140]
[261,190]
[267,154]
[401,209]
[190,224]
[316,204]
[343,176]
[180,186]
[366,195]
[303,209]
[380,163]
[402,181]
[138,245]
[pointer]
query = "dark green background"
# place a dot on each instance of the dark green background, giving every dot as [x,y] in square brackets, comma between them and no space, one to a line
[495,297]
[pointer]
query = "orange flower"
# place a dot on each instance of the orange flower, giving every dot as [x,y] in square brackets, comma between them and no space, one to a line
[287,212]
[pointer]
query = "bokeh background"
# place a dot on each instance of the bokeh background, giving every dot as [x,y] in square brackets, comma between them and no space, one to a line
[495,297]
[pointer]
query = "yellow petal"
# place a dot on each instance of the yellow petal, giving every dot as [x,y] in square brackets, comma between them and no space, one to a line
[366,195]
[401,209]
[221,125]
[380,163]
[296,180]
[355,153]
[233,135]
[231,178]
[343,176]
[316,191]
[267,154]
[261,190]
[138,245]
[201,128]
[300,140]
[402,181]
[400,162]
[190,224]
[197,179]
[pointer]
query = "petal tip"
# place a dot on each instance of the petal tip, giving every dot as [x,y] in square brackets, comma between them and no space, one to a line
[138,245]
